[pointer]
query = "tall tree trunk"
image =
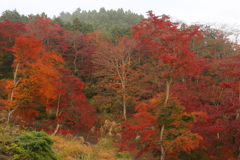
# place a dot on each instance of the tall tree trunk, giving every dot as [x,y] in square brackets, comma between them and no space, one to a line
[15,83]
[161,139]
[168,85]
[124,101]
[57,115]
[218,134]
[10,114]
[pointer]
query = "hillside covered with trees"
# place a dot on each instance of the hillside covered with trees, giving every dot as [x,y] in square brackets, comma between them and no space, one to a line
[110,22]
[149,85]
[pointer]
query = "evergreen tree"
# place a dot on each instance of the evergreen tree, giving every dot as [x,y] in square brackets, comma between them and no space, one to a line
[81,26]
[102,20]
[13,16]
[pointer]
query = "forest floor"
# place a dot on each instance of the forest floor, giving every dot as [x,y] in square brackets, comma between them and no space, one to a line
[93,139]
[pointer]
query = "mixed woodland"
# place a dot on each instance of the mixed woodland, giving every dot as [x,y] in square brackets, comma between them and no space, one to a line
[150,84]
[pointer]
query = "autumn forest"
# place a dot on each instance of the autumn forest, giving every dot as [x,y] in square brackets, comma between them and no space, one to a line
[172,89]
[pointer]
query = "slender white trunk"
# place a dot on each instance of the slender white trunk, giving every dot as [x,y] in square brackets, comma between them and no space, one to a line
[167,91]
[218,134]
[56,129]
[124,102]
[10,114]
[124,107]
[57,114]
[161,139]
[15,84]
[168,85]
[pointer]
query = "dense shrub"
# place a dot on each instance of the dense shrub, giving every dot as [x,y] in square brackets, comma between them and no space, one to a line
[28,146]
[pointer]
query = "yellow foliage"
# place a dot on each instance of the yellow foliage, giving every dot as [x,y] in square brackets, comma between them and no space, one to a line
[70,149]
[74,148]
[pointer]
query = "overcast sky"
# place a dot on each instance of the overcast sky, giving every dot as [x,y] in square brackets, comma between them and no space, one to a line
[189,11]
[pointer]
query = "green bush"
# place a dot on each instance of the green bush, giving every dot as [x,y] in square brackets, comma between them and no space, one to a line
[32,146]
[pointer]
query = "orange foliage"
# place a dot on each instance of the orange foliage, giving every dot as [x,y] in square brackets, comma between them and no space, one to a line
[34,74]
[177,134]
[114,64]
